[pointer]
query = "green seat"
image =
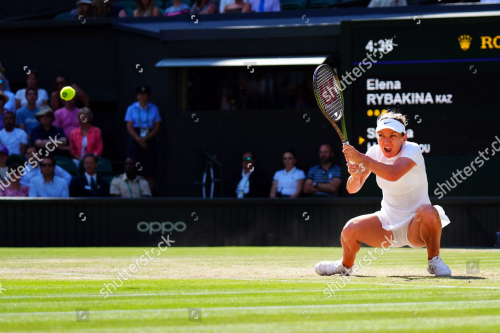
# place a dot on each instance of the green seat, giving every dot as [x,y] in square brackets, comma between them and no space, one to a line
[62,16]
[104,167]
[130,12]
[108,179]
[316,4]
[127,4]
[67,164]
[293,4]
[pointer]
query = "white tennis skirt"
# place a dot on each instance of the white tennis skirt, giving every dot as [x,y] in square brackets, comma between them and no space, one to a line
[392,219]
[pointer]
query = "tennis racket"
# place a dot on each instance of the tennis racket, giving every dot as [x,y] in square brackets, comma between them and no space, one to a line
[330,99]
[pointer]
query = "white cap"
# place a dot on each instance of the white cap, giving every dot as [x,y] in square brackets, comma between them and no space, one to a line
[392,124]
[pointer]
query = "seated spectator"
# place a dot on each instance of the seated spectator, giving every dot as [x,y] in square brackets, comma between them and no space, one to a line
[387,3]
[48,184]
[324,179]
[288,183]
[47,136]
[25,116]
[85,139]
[2,75]
[260,6]
[67,118]
[129,184]
[8,97]
[15,139]
[4,156]
[107,9]
[83,9]
[178,8]
[237,7]
[201,7]
[146,8]
[3,100]
[90,184]
[250,182]
[56,102]
[14,188]
[224,3]
[33,159]
[31,82]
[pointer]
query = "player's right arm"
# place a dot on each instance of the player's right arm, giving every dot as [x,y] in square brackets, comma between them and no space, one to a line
[356,180]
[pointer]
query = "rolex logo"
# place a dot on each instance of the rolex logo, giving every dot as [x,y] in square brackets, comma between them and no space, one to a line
[464,41]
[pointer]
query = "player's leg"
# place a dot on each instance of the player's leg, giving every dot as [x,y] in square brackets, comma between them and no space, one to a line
[425,230]
[362,229]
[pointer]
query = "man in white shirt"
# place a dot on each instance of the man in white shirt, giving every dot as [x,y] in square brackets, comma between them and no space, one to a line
[33,168]
[15,139]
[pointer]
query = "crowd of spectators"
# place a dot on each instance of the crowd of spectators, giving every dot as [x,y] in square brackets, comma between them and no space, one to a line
[322,180]
[34,137]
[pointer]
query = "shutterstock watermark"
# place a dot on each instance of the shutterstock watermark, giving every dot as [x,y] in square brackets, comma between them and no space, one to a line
[33,162]
[136,266]
[359,70]
[468,170]
[343,279]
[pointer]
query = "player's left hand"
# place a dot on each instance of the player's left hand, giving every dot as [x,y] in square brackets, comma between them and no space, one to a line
[352,155]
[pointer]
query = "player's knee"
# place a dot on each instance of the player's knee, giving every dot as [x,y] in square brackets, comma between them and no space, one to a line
[429,216]
[351,230]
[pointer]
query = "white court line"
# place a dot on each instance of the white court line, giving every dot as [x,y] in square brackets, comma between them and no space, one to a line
[341,306]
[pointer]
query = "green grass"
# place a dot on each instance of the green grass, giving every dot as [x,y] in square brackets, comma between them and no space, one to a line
[245,289]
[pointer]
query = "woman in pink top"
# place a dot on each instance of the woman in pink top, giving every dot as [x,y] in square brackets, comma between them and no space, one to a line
[14,188]
[86,138]
[67,117]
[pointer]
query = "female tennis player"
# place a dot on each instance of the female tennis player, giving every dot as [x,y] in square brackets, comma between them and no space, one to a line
[407,216]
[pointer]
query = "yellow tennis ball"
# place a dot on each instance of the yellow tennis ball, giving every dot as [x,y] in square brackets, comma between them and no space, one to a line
[68,93]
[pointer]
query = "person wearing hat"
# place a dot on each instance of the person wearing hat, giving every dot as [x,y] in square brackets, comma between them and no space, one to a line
[143,123]
[15,139]
[12,187]
[25,116]
[83,9]
[4,155]
[10,103]
[45,133]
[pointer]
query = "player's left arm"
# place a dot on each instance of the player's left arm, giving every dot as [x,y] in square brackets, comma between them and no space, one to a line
[388,172]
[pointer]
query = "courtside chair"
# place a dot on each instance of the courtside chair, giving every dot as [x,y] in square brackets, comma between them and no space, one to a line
[67,164]
[62,16]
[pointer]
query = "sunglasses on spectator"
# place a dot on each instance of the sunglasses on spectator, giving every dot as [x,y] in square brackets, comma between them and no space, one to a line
[46,165]
[248,158]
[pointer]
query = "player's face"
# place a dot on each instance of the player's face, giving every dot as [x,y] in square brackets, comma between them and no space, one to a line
[289,161]
[390,142]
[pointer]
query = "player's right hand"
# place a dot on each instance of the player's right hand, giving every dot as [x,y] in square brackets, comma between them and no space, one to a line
[353,169]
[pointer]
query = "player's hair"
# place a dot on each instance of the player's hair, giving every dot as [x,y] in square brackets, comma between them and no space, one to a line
[393,114]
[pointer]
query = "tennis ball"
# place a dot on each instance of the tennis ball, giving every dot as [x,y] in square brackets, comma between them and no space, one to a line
[67,93]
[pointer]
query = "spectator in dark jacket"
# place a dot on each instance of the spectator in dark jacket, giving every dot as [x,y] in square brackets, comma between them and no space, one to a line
[90,184]
[250,182]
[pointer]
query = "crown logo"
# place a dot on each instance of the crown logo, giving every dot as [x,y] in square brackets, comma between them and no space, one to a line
[464,41]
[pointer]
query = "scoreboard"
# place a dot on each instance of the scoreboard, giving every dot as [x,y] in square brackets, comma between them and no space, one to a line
[444,74]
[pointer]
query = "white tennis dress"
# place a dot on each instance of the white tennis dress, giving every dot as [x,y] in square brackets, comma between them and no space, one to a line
[401,198]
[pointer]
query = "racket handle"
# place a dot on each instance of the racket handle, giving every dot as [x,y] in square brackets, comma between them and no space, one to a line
[346,143]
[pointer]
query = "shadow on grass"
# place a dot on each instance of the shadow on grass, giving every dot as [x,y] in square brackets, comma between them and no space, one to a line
[417,278]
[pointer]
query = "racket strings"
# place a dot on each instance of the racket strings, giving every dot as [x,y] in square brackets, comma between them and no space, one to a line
[329,93]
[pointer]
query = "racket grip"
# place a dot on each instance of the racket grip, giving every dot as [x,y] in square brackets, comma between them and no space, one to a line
[346,143]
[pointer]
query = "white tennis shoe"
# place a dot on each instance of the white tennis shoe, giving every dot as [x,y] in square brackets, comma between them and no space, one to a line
[438,267]
[331,268]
